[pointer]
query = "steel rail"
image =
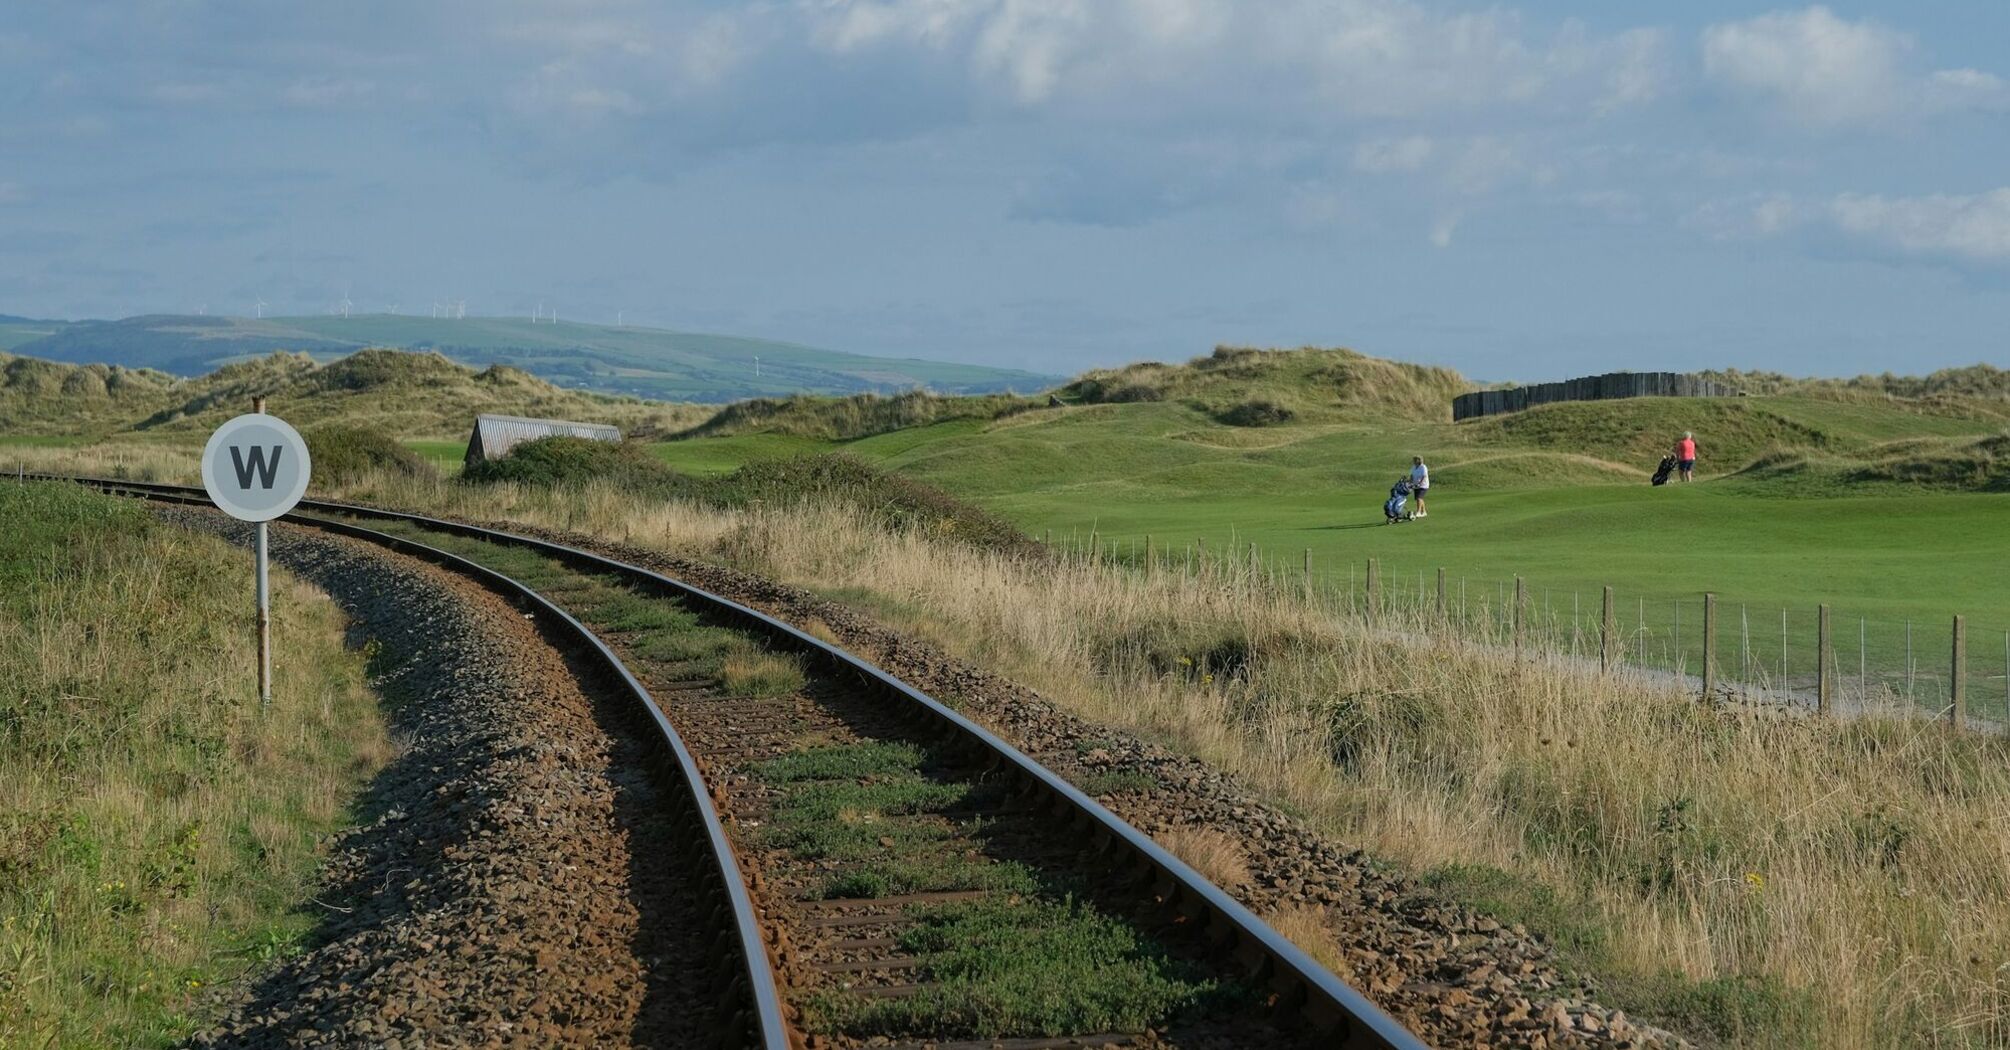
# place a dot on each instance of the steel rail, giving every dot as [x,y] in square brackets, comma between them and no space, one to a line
[760,1021]
[1304,989]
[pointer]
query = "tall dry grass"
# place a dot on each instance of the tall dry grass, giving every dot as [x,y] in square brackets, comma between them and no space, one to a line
[158,830]
[1762,878]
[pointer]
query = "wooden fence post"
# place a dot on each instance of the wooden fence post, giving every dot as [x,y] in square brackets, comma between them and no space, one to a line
[1373,588]
[1148,554]
[1520,614]
[1306,571]
[1957,712]
[1441,594]
[1709,645]
[1607,635]
[1824,688]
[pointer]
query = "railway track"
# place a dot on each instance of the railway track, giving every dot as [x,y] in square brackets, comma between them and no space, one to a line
[881,869]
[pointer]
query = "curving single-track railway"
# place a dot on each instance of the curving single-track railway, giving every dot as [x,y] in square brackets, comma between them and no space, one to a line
[857,832]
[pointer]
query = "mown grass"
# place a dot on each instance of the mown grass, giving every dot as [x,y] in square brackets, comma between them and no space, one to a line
[158,830]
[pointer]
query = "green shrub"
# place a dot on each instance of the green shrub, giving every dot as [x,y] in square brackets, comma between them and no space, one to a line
[573,461]
[890,499]
[1257,412]
[856,416]
[343,453]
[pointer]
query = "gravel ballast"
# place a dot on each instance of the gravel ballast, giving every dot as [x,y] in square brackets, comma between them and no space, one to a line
[512,882]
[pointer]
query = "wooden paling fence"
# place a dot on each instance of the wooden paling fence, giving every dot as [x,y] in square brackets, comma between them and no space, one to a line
[1814,657]
[1589,388]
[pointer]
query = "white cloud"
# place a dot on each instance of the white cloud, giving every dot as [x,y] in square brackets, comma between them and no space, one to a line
[1444,228]
[1829,72]
[1966,89]
[1379,156]
[1464,167]
[1970,227]
[317,92]
[186,93]
[1334,57]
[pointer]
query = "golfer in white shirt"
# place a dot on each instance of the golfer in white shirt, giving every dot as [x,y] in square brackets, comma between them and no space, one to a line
[1420,482]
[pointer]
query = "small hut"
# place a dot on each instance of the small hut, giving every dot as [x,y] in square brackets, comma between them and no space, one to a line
[494,436]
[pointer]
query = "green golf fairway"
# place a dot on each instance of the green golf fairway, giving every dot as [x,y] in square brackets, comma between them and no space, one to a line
[1567,523]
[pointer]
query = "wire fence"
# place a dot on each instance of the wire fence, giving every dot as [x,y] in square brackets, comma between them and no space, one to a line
[1831,658]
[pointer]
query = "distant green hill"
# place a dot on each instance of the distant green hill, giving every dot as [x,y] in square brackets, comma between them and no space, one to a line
[15,331]
[640,362]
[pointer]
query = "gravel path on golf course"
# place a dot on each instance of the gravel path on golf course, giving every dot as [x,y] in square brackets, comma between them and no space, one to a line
[511,884]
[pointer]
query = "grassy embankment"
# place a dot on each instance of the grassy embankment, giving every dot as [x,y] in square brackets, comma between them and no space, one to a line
[158,831]
[1751,880]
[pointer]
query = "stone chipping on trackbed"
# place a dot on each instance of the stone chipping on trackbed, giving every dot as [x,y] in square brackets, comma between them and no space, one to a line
[511,883]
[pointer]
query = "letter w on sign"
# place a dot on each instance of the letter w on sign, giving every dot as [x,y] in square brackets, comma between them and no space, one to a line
[259,465]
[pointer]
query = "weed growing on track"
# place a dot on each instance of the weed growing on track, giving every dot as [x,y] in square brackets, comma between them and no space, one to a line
[157,829]
[1748,878]
[846,762]
[1031,961]
[755,672]
[870,806]
[1033,966]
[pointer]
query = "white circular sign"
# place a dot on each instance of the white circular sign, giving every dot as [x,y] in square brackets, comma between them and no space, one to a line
[255,467]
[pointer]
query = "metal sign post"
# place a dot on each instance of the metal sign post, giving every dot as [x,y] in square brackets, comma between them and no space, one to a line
[255,468]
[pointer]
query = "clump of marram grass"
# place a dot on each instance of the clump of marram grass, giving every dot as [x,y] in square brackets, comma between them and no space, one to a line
[573,461]
[1770,881]
[342,453]
[1257,412]
[1212,853]
[854,416]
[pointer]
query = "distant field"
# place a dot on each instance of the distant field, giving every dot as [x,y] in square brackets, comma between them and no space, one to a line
[445,455]
[1569,523]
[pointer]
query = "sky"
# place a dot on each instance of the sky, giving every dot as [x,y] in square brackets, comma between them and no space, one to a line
[1525,191]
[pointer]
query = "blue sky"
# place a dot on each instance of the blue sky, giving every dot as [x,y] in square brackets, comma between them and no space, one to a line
[1520,191]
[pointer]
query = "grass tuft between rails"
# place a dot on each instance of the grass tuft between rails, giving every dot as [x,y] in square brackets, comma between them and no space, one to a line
[1027,961]
[158,831]
[1038,967]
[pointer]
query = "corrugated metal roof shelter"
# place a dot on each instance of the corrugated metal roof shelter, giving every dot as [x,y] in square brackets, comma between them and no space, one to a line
[494,436]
